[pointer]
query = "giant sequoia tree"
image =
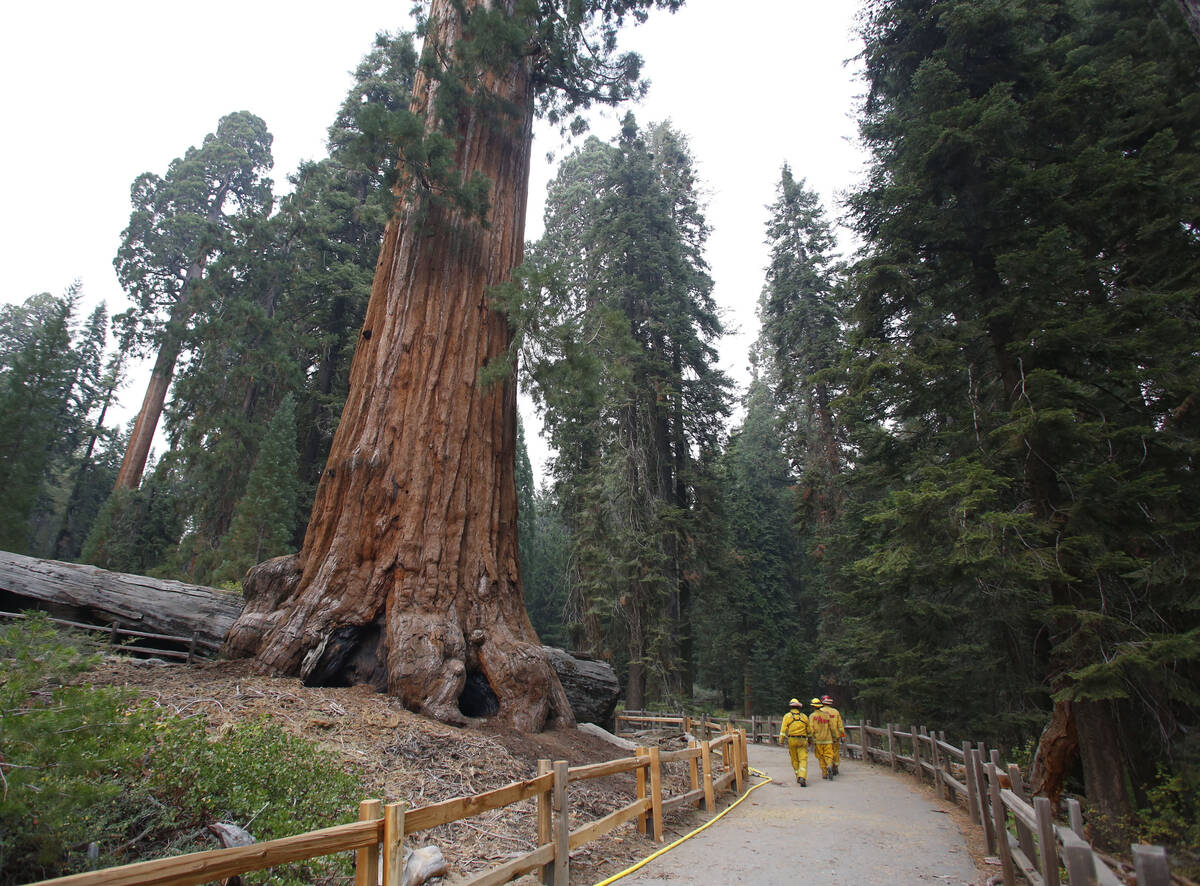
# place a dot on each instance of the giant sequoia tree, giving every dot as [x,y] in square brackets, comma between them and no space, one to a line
[408,578]
[179,222]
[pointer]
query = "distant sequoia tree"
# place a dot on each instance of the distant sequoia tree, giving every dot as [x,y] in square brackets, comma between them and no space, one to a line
[408,578]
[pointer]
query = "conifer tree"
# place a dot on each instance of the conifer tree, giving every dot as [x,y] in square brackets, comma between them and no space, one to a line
[36,382]
[179,223]
[1021,322]
[620,355]
[266,514]
[409,571]
[756,625]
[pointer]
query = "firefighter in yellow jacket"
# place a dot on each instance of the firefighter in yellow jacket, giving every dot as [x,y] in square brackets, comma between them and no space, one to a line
[839,731]
[820,728]
[794,733]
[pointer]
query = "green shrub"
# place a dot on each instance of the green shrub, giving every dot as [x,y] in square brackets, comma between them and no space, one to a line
[87,765]
[63,750]
[1171,817]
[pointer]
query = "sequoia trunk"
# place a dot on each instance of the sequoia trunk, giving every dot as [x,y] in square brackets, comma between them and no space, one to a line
[408,577]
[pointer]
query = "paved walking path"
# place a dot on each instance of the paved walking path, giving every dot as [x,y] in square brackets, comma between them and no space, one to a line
[868,826]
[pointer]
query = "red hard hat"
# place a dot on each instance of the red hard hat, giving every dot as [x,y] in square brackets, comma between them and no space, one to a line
[826,699]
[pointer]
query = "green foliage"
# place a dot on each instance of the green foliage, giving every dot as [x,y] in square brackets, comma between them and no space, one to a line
[51,387]
[83,764]
[615,324]
[266,515]
[1170,816]
[136,527]
[1022,471]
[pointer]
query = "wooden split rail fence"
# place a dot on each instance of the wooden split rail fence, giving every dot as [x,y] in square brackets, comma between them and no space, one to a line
[1021,830]
[1031,844]
[377,839]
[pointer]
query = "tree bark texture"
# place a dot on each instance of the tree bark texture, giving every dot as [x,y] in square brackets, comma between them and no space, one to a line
[144,426]
[87,594]
[1057,751]
[408,577]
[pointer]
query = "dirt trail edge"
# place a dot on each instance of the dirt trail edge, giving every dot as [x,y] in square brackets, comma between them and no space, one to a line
[868,826]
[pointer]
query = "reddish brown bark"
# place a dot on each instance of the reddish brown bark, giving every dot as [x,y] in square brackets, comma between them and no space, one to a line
[137,451]
[409,574]
[1057,751]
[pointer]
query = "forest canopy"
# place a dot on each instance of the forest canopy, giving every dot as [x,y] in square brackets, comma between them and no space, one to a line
[965,457]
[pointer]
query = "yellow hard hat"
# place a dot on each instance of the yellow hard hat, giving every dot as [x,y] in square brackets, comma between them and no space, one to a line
[816,702]
[794,703]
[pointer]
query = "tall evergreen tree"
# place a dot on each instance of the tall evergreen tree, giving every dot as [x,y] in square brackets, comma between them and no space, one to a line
[621,359]
[755,624]
[421,469]
[36,383]
[179,223]
[266,514]
[1026,327]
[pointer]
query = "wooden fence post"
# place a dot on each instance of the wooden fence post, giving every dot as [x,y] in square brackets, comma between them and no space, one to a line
[1000,822]
[1080,862]
[1075,816]
[641,777]
[1150,864]
[656,797]
[916,740]
[1047,840]
[1024,834]
[969,780]
[366,861]
[745,754]
[545,820]
[710,800]
[562,825]
[736,747]
[935,756]
[694,771]
[892,744]
[393,843]
[981,794]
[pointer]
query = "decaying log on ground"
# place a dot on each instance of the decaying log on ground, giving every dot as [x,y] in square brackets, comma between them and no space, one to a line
[87,594]
[591,686]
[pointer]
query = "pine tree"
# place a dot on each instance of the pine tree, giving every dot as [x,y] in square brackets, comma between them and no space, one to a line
[755,623]
[619,352]
[1023,374]
[36,382]
[266,515]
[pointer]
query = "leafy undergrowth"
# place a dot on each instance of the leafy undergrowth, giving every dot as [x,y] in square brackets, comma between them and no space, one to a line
[101,767]
[140,757]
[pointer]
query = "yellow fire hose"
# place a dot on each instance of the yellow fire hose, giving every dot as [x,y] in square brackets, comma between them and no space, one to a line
[645,861]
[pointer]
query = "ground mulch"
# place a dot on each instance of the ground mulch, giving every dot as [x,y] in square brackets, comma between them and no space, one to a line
[399,755]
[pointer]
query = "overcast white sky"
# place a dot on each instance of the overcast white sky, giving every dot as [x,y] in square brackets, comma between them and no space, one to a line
[96,93]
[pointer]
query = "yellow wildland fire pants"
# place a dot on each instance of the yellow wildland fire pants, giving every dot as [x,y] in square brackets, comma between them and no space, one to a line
[798,751]
[824,751]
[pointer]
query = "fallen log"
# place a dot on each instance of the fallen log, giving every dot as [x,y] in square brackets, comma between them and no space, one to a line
[88,594]
[591,686]
[96,596]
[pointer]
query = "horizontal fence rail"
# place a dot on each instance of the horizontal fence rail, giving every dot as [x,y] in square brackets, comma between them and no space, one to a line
[1018,829]
[377,839]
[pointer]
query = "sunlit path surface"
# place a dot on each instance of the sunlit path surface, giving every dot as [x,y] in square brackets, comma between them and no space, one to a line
[866,827]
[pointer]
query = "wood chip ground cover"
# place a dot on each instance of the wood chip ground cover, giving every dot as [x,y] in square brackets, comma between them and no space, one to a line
[399,755]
